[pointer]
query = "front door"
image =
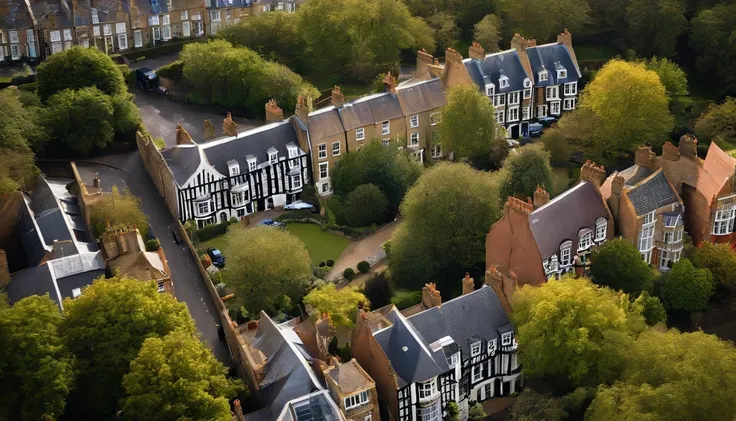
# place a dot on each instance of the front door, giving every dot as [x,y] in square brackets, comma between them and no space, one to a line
[109,46]
[269,203]
[223,217]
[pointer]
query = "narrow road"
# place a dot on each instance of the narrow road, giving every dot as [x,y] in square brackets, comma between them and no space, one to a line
[188,283]
[369,249]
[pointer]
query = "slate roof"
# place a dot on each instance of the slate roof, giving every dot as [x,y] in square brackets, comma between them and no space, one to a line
[493,66]
[217,4]
[422,96]
[652,194]
[108,10]
[409,353]
[546,56]
[41,280]
[151,7]
[564,216]
[17,15]
[183,160]
[350,377]
[60,10]
[478,314]
[369,110]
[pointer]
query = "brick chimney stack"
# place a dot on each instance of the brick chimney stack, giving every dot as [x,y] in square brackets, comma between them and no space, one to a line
[520,44]
[273,112]
[689,145]
[468,284]
[541,197]
[614,201]
[519,206]
[229,126]
[337,97]
[431,296]
[4,269]
[645,157]
[670,152]
[238,410]
[454,72]
[565,38]
[424,60]
[182,136]
[593,173]
[389,82]
[476,51]
[209,130]
[303,108]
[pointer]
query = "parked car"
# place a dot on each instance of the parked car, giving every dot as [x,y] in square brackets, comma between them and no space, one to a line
[536,129]
[216,256]
[546,121]
[299,205]
[270,223]
[147,79]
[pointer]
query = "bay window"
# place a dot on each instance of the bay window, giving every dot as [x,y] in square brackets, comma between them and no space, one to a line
[646,236]
[296,182]
[724,220]
[427,389]
[356,400]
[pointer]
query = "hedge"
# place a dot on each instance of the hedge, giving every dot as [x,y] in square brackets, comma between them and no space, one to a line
[173,46]
[212,231]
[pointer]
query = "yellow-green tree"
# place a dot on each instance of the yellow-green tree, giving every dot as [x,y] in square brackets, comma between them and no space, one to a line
[120,209]
[341,304]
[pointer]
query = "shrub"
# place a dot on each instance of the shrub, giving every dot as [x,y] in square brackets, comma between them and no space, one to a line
[214,274]
[378,290]
[348,274]
[322,264]
[364,266]
[212,231]
[335,207]
[346,353]
[206,261]
[221,291]
[233,220]
[330,263]
[172,70]
[296,215]
[366,205]
[152,245]
[687,288]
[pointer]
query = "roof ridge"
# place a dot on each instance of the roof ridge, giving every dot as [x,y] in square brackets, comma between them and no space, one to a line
[243,134]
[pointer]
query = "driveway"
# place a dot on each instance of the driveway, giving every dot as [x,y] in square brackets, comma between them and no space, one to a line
[155,62]
[369,249]
[188,283]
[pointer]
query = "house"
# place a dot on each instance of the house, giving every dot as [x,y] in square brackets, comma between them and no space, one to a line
[421,104]
[647,210]
[556,75]
[354,391]
[126,255]
[326,138]
[18,33]
[56,25]
[542,239]
[265,6]
[239,174]
[225,12]
[153,23]
[104,24]
[461,351]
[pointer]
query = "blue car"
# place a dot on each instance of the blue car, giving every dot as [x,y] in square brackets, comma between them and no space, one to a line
[535,130]
[546,121]
[270,223]
[216,256]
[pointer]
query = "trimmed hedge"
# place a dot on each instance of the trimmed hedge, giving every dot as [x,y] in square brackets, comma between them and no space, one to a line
[212,231]
[159,50]
[348,274]
[364,267]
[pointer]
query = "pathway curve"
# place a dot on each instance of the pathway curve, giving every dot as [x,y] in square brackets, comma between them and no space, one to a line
[369,249]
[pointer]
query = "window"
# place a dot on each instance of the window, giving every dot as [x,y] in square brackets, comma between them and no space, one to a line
[552,92]
[668,257]
[153,20]
[477,373]
[360,134]
[543,76]
[499,117]
[427,389]
[273,157]
[186,28]
[475,349]
[322,151]
[120,28]
[513,98]
[586,239]
[492,347]
[454,359]
[355,401]
[385,128]
[569,104]
[56,47]
[368,417]
[490,89]
[198,28]
[203,207]
[506,339]
[296,181]
[238,199]
[251,165]
[542,111]
[435,118]
[646,236]
[414,121]
[156,33]
[196,16]
[437,150]
[234,169]
[513,114]
[565,253]
[554,108]
[526,113]
[240,213]
[414,139]
[165,20]
[96,31]
[385,142]
[499,100]
[123,41]
[184,15]
[432,413]
[68,34]
[323,170]
[137,38]
[215,15]
[601,226]
[571,88]
[724,221]
[166,29]
[107,29]
[562,74]
[95,16]
[55,36]
[552,265]
[335,148]
[503,82]
[14,51]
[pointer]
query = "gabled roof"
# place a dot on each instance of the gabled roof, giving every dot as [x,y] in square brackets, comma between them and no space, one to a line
[718,168]
[370,110]
[17,15]
[183,160]
[652,193]
[324,123]
[564,216]
[350,377]
[421,96]
[550,57]
[493,66]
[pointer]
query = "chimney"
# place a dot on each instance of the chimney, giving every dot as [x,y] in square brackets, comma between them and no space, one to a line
[541,197]
[238,410]
[302,109]
[593,173]
[520,44]
[454,72]
[614,202]
[518,206]
[273,112]
[96,182]
[644,157]
[430,296]
[468,284]
[476,51]
[4,269]
[209,130]
[424,60]
[670,152]
[229,126]
[688,145]
[182,136]
[389,82]
[565,38]
[337,97]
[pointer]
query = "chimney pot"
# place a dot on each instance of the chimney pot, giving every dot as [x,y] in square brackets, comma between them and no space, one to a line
[593,173]
[389,82]
[273,112]
[688,145]
[431,296]
[468,284]
[338,99]
[229,126]
[476,51]
[541,197]
[644,157]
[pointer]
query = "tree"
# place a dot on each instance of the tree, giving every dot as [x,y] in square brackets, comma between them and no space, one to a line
[623,104]
[617,264]
[556,144]
[341,304]
[717,123]
[366,205]
[20,130]
[708,31]
[534,406]
[476,412]
[266,263]
[663,370]
[525,170]
[469,126]
[378,290]
[573,351]
[125,118]
[687,288]
[670,74]
[541,19]
[176,377]
[652,309]
[487,33]
[720,260]
[453,412]
[36,369]
[79,122]
[78,68]
[120,210]
[104,329]
[655,25]
[393,171]
[446,217]
[445,29]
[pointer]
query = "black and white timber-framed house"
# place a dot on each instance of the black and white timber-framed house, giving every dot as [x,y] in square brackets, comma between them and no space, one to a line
[462,351]
[235,176]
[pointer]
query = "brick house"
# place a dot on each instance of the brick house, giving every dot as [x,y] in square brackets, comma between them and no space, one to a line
[104,24]
[18,31]
[421,104]
[354,391]
[225,12]
[647,210]
[158,22]
[542,239]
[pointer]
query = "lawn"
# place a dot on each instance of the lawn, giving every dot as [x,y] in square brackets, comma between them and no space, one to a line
[404,298]
[321,245]
[327,81]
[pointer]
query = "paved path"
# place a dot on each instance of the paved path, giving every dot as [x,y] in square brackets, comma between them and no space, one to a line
[188,283]
[369,249]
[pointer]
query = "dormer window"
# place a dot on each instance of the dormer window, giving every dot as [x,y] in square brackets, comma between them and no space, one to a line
[273,157]
[601,226]
[234,168]
[585,236]
[543,76]
[490,89]
[506,339]
[527,88]
[252,164]
[293,152]
[475,349]
[503,82]
[561,74]
[492,347]
[565,253]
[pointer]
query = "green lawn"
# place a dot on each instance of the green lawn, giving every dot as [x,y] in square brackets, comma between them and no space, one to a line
[328,81]
[404,298]
[321,245]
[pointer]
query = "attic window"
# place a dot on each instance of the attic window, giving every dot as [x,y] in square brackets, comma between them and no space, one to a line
[561,74]
[475,349]
[234,168]
[543,76]
[273,157]
[252,165]
[503,82]
[565,252]
[506,339]
[492,347]
[490,89]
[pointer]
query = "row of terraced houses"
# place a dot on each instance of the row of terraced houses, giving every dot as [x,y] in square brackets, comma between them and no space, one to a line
[33,29]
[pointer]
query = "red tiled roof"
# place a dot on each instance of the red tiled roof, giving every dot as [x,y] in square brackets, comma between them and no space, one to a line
[717,170]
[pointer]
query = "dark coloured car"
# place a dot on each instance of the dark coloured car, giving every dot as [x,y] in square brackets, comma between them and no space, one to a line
[546,121]
[216,256]
[147,79]
[270,223]
[535,130]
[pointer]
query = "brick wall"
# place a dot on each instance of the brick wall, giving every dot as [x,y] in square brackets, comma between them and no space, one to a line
[160,173]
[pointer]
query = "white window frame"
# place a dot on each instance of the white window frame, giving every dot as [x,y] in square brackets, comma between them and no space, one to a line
[490,89]
[56,47]
[477,373]
[492,347]
[335,148]
[554,107]
[13,37]
[566,253]
[165,20]
[543,76]
[120,28]
[552,92]
[14,51]
[500,116]
[503,82]
[562,74]
[499,100]
[506,339]
[513,114]
[475,349]
[541,111]
[354,401]
[324,168]
[107,29]
[252,165]
[601,229]
[527,88]
[273,158]
[166,32]
[296,181]
[571,88]
[203,207]
[55,36]
[526,113]
[585,240]
[67,34]
[667,256]
[569,104]
[238,198]
[196,15]
[723,222]
[437,150]
[385,142]
[426,390]
[385,128]
[184,15]
[431,413]
[95,16]
[414,139]
[552,265]
[360,134]
[215,15]
[186,29]
[153,20]
[414,121]
[368,417]
[234,169]
[96,30]
[435,118]
[122,41]
[137,38]
[514,98]
[646,236]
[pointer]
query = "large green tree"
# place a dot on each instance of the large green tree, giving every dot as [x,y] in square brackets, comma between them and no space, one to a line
[670,74]
[687,288]
[555,142]
[617,264]
[78,68]
[120,210]
[446,31]
[525,170]
[572,332]
[542,19]
[176,377]
[655,25]
[341,304]
[104,329]
[718,122]
[393,171]
[469,127]
[709,30]
[720,260]
[366,205]
[487,32]
[446,217]
[534,406]
[266,263]
[36,369]
[20,131]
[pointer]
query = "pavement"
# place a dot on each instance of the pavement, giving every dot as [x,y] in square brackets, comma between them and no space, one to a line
[369,249]
[127,171]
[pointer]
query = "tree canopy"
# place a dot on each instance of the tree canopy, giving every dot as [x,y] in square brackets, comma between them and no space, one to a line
[655,25]
[542,19]
[525,170]
[709,29]
[20,130]
[651,308]
[469,127]
[617,264]
[720,260]
[687,288]
[366,205]
[670,74]
[120,209]
[718,122]
[556,144]
[36,369]
[176,377]
[378,290]
[446,217]
[487,32]
[341,304]
[265,264]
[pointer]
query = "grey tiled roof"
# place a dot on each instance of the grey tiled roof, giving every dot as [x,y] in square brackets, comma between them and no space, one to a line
[493,66]
[652,194]
[217,4]
[182,160]
[562,218]
[422,96]
[58,10]
[475,315]
[370,110]
[17,16]
[546,56]
[40,280]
